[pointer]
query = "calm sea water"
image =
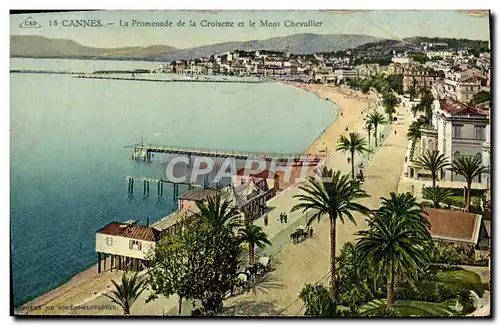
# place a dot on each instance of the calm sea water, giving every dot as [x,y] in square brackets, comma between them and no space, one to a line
[68,157]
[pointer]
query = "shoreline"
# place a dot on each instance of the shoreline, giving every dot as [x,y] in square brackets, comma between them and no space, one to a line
[357,103]
[87,284]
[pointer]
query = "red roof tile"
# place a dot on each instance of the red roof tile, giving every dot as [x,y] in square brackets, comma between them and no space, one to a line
[131,231]
[453,225]
[458,108]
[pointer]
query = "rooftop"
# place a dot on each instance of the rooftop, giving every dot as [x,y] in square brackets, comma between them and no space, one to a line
[453,225]
[198,194]
[459,109]
[133,231]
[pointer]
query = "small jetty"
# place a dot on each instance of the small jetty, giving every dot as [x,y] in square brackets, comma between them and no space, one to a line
[159,182]
[144,152]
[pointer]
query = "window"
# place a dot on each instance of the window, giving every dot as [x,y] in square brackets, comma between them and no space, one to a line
[135,245]
[479,133]
[457,131]
[109,241]
[456,156]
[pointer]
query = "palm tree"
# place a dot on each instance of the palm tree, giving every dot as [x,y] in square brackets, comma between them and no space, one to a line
[254,236]
[412,91]
[393,244]
[469,168]
[390,102]
[433,162]
[413,134]
[354,144]
[376,119]
[436,195]
[335,197]
[218,214]
[127,292]
[369,128]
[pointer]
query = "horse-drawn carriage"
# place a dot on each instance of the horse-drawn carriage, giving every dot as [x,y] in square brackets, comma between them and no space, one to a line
[301,234]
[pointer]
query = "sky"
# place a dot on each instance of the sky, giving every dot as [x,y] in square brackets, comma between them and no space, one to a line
[385,24]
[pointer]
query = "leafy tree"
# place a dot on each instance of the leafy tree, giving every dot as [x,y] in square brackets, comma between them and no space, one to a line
[375,119]
[253,236]
[355,286]
[396,83]
[319,301]
[469,168]
[436,195]
[194,261]
[393,244]
[420,57]
[126,293]
[335,197]
[390,102]
[481,97]
[365,86]
[432,162]
[354,144]
[465,300]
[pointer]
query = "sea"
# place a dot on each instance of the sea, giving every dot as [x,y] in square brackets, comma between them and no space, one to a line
[69,153]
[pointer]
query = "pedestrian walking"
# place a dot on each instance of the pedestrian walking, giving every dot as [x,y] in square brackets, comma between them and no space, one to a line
[394,131]
[348,160]
[281,217]
[266,220]
[286,217]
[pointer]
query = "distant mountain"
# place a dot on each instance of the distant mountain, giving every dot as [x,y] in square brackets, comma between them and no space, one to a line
[43,47]
[414,44]
[297,43]
[37,46]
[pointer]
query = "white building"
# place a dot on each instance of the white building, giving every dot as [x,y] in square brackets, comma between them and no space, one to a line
[458,129]
[127,244]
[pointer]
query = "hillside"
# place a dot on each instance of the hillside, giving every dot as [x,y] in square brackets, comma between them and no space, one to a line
[43,47]
[37,46]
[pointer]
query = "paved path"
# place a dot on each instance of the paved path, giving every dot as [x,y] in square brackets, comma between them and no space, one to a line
[308,262]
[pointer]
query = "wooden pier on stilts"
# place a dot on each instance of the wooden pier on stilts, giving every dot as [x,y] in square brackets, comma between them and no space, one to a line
[144,153]
[159,182]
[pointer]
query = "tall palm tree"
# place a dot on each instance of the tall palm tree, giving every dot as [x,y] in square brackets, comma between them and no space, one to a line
[335,197]
[354,144]
[413,134]
[469,168]
[369,127]
[219,214]
[376,119]
[390,102]
[127,292]
[253,236]
[433,162]
[393,244]
[436,195]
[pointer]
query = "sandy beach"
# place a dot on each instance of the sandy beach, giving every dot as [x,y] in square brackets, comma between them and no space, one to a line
[86,287]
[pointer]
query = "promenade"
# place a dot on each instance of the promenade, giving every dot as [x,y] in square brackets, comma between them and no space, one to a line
[295,264]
